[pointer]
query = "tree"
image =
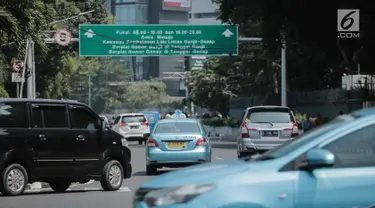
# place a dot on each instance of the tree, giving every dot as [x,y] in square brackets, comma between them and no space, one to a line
[107,77]
[146,94]
[208,89]
[317,58]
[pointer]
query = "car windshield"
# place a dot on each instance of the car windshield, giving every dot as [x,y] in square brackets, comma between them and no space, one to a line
[177,127]
[133,119]
[303,139]
[265,115]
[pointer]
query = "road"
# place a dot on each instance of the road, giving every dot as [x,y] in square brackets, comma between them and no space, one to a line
[91,195]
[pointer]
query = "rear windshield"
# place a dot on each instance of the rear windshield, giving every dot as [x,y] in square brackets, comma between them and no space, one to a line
[133,119]
[178,127]
[275,115]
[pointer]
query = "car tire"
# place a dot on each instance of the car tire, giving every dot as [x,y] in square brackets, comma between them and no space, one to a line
[112,176]
[242,155]
[151,170]
[22,176]
[60,186]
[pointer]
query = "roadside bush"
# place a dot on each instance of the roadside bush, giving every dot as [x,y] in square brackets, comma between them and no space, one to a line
[218,122]
[3,93]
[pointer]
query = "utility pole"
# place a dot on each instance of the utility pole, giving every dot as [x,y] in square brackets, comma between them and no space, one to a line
[90,90]
[29,66]
[284,101]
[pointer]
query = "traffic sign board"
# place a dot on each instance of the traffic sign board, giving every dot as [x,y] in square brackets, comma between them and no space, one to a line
[63,37]
[158,40]
[17,65]
[17,77]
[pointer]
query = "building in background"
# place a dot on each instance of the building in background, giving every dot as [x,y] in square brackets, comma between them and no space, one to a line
[169,12]
[130,12]
[204,12]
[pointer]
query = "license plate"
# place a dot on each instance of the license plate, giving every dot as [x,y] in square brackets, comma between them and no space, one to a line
[177,144]
[134,127]
[270,133]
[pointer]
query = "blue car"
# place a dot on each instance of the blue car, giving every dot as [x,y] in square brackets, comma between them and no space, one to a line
[177,143]
[330,166]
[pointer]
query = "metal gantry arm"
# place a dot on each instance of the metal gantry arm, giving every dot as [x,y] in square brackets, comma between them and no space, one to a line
[175,75]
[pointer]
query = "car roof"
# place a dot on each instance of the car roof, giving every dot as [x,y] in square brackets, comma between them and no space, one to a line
[175,120]
[39,100]
[131,114]
[268,106]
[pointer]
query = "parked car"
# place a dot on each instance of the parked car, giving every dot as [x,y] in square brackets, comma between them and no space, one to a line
[264,128]
[177,143]
[330,166]
[152,118]
[58,142]
[132,126]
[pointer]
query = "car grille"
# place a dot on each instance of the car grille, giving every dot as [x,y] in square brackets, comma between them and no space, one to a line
[141,193]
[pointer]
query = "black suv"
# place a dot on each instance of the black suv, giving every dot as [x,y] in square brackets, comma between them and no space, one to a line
[58,142]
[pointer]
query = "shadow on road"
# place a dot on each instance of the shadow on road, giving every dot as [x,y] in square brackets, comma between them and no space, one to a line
[51,192]
[143,173]
[224,145]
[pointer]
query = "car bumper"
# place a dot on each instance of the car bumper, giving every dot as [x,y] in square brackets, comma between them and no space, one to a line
[194,203]
[155,155]
[247,145]
[135,136]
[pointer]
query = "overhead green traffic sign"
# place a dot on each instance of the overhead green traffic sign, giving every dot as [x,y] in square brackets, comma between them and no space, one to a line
[158,40]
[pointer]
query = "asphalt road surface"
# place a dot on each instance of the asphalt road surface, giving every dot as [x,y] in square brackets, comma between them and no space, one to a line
[90,195]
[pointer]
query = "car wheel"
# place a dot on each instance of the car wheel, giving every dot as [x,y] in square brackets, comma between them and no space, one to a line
[14,180]
[151,170]
[60,186]
[112,176]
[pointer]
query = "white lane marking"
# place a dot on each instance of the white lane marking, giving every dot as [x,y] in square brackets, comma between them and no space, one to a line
[124,189]
[219,158]
[92,189]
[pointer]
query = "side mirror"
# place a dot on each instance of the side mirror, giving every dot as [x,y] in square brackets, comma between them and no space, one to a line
[319,158]
[236,123]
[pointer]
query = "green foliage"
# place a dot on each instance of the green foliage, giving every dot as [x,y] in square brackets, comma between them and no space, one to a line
[218,122]
[207,89]
[3,93]
[316,60]
[146,94]
[105,76]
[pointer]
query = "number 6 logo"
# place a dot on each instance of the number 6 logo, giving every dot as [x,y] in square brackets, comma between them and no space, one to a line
[346,19]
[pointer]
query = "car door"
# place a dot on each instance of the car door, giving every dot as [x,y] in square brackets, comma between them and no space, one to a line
[50,127]
[87,138]
[350,182]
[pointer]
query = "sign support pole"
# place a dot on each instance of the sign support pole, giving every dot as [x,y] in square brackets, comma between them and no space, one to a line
[18,90]
[29,64]
[24,69]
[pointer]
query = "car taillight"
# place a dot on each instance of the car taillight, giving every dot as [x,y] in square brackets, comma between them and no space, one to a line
[201,142]
[152,142]
[145,123]
[244,131]
[122,124]
[294,130]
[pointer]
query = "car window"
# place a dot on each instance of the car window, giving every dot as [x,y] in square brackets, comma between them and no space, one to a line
[354,150]
[38,121]
[83,119]
[133,119]
[117,119]
[54,116]
[274,115]
[13,115]
[177,127]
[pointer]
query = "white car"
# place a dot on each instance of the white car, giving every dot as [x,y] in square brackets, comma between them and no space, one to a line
[133,126]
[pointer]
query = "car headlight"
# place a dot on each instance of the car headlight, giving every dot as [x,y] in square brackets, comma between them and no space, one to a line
[124,142]
[179,195]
